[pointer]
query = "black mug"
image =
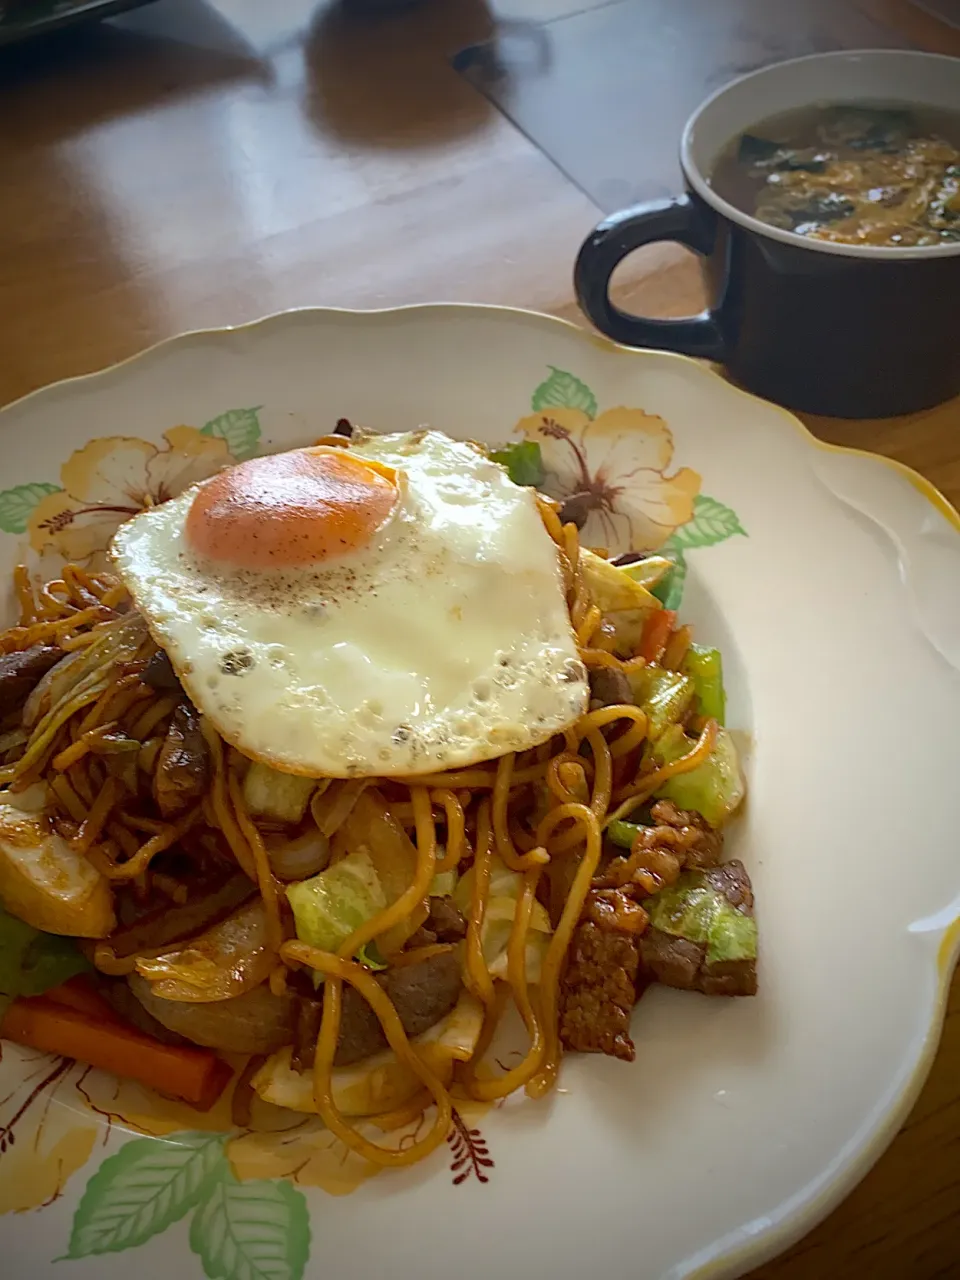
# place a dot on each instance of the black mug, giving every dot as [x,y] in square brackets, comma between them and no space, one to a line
[855,331]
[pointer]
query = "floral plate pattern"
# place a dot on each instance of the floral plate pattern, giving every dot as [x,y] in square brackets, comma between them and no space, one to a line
[90,1166]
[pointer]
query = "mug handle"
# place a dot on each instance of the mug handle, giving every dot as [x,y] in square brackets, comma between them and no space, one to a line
[610,242]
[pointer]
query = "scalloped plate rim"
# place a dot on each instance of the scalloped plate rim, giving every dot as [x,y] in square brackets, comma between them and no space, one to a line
[919,481]
[777,1235]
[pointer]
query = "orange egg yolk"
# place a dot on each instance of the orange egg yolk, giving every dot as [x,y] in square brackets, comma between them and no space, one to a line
[291,509]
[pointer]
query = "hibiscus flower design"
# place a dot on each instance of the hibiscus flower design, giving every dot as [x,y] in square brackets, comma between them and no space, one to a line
[611,469]
[113,478]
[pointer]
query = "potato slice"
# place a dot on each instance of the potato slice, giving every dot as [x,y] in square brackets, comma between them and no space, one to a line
[42,880]
[380,1083]
[255,1022]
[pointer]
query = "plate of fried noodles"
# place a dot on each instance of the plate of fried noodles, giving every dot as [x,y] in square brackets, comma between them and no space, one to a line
[471,798]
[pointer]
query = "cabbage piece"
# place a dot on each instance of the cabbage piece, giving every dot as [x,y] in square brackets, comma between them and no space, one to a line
[328,907]
[648,572]
[503,883]
[268,793]
[32,962]
[715,788]
[622,597]
[664,695]
[733,936]
[696,911]
[230,958]
[43,880]
[503,895]
[372,829]
[380,1083]
[614,588]
[443,883]
[495,938]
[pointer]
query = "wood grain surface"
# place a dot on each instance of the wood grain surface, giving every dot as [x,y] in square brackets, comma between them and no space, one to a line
[199,164]
[640,68]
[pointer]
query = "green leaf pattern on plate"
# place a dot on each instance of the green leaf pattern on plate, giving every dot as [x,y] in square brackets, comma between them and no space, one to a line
[712,523]
[672,593]
[140,1191]
[16,505]
[563,391]
[239,427]
[257,1230]
[251,1230]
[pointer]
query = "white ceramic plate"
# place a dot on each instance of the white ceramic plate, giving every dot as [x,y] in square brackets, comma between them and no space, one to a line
[827,577]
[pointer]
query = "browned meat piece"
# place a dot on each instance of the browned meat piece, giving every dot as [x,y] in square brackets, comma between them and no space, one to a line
[160,675]
[733,882]
[20,672]
[422,994]
[305,1031]
[678,962]
[360,1032]
[698,843]
[598,992]
[609,687]
[445,921]
[735,978]
[183,765]
[673,961]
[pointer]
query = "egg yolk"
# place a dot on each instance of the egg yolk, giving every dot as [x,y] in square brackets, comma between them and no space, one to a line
[291,509]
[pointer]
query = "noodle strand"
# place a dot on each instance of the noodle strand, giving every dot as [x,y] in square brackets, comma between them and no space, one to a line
[337,971]
[476,974]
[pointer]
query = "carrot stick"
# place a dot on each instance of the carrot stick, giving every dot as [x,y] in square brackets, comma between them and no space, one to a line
[195,1075]
[656,633]
[676,650]
[79,993]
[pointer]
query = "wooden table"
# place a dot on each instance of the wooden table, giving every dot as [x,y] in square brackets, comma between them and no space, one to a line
[294,157]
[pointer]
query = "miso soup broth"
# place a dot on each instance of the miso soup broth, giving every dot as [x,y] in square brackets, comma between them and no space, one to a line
[853,173]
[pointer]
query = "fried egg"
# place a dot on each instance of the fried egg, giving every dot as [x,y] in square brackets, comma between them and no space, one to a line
[392,608]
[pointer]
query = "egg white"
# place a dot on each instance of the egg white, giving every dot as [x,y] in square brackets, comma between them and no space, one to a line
[444,642]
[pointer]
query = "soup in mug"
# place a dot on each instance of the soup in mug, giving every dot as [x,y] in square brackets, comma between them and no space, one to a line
[851,174]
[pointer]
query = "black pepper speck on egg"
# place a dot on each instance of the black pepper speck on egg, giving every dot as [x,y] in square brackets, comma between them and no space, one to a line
[237,662]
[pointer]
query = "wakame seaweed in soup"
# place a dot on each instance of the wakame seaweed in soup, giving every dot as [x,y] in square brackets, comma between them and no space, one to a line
[851,174]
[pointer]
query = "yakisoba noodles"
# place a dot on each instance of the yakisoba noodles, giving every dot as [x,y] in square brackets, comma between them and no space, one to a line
[98,733]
